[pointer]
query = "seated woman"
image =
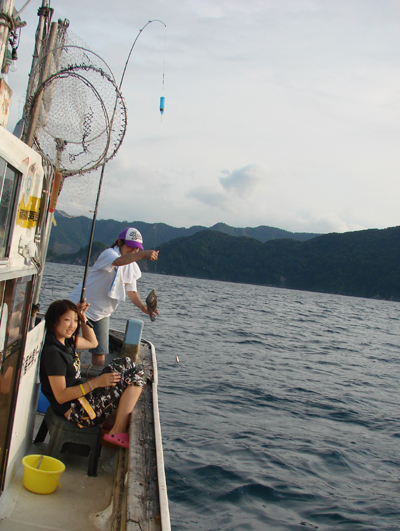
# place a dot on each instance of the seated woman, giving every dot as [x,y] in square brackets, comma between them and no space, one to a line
[85,403]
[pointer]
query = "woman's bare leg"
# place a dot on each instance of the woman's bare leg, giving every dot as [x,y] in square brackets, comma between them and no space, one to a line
[125,407]
[98,359]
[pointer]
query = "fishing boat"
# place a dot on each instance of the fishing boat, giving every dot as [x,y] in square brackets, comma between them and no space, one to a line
[129,492]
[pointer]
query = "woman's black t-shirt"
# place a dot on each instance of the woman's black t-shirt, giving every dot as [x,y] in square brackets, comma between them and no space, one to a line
[59,360]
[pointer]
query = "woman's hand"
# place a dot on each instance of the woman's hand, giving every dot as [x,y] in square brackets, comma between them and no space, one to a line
[88,339]
[129,258]
[151,255]
[82,307]
[107,379]
[146,311]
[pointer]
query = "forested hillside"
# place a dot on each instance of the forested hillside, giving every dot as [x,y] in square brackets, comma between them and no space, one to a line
[72,233]
[363,263]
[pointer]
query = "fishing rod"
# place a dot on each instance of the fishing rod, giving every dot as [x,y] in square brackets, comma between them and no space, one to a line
[103,167]
[133,45]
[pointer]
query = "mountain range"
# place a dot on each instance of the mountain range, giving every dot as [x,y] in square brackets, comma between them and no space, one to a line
[71,233]
[363,263]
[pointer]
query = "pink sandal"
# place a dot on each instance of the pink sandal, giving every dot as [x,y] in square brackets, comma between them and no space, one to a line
[119,439]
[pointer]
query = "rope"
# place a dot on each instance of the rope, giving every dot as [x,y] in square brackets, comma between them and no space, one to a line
[7,21]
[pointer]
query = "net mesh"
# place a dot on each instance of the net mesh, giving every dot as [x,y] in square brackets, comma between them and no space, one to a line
[82,118]
[79,193]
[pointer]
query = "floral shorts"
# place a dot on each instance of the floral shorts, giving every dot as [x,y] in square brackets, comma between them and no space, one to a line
[96,406]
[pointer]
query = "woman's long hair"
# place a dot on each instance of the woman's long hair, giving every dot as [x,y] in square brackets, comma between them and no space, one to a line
[54,313]
[118,243]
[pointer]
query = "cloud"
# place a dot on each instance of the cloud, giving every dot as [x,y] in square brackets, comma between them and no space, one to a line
[207,196]
[306,91]
[244,180]
[321,222]
[240,182]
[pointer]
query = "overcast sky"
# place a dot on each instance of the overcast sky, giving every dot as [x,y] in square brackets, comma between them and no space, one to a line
[277,112]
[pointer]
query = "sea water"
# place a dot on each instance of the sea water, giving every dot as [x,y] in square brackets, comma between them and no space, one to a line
[283,411]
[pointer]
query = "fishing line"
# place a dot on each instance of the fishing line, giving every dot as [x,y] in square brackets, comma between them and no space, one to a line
[155,238]
[165,47]
[162,99]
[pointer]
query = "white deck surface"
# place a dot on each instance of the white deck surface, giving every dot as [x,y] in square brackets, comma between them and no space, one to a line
[69,508]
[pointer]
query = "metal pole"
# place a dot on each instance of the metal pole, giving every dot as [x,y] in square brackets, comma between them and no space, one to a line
[40,36]
[35,112]
[6,23]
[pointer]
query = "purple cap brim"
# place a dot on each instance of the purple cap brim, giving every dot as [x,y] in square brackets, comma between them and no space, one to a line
[133,244]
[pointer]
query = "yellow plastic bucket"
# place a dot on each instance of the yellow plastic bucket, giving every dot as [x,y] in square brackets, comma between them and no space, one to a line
[42,480]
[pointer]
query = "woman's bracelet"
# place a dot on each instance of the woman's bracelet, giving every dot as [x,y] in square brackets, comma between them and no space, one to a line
[88,323]
[82,389]
[91,386]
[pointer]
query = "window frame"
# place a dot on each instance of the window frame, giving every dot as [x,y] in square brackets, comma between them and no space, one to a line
[12,212]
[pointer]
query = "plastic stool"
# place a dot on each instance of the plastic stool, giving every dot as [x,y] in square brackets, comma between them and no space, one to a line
[67,437]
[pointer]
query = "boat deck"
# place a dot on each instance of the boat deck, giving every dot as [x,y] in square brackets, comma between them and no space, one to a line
[127,479]
[71,508]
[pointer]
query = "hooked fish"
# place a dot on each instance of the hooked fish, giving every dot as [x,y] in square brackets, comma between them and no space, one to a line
[151,303]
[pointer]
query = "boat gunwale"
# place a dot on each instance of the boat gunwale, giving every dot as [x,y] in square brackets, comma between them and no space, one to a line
[162,481]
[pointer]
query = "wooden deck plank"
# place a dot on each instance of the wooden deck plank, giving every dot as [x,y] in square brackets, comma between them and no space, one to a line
[142,490]
[140,495]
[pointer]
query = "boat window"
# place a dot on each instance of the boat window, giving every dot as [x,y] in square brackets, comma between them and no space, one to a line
[3,165]
[9,183]
[3,322]
[15,295]
[15,303]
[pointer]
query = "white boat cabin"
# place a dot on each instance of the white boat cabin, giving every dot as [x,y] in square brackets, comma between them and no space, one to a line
[21,187]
